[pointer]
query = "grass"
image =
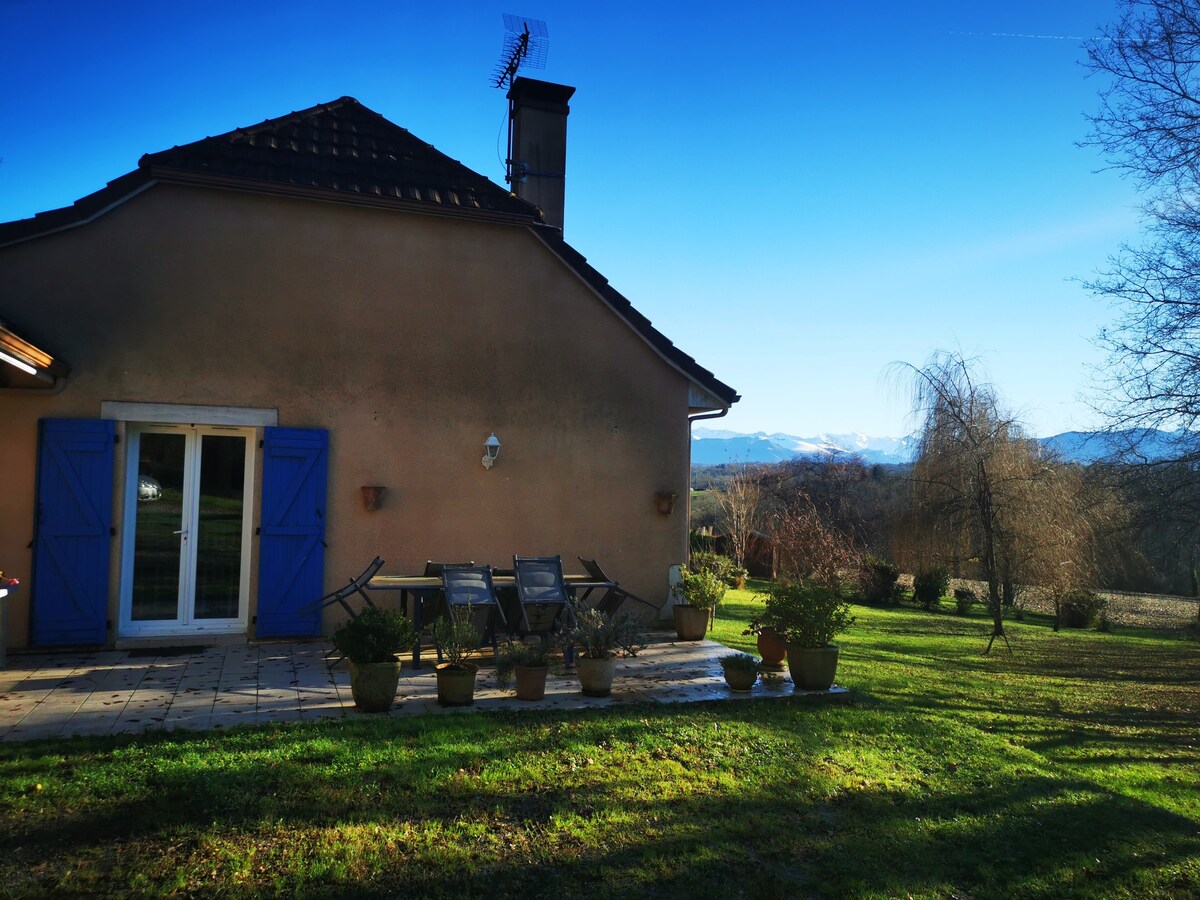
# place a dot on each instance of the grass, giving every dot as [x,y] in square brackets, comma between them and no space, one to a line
[1070,767]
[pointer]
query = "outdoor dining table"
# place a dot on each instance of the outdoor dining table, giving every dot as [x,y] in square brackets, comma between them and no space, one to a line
[426,587]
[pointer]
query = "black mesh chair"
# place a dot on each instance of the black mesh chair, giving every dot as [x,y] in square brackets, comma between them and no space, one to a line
[470,596]
[543,594]
[614,596]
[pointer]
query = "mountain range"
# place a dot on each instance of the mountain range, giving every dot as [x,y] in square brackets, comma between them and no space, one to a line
[712,446]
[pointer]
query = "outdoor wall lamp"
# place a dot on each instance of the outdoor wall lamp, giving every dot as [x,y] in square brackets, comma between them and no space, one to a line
[18,363]
[491,449]
[665,502]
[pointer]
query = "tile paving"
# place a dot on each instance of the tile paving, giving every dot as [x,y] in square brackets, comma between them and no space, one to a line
[111,692]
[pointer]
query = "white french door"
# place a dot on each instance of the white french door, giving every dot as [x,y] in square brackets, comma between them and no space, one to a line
[186,548]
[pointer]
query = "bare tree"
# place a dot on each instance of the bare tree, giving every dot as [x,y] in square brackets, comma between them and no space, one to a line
[739,499]
[1148,126]
[985,493]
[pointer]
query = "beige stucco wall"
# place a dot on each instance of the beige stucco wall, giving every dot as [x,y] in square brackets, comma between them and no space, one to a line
[409,337]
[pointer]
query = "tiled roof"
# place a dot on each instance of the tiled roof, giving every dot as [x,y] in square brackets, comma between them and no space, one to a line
[339,149]
[344,150]
[340,146]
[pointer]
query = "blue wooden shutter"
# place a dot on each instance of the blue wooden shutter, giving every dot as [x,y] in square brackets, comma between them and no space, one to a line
[73,532]
[291,550]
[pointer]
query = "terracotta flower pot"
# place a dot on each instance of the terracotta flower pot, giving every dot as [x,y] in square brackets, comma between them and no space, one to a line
[812,668]
[691,622]
[773,650]
[373,685]
[531,682]
[456,684]
[596,675]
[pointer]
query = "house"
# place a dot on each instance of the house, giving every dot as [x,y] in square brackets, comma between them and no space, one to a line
[205,363]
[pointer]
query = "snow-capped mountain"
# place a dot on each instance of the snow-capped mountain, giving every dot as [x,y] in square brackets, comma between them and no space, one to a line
[713,447]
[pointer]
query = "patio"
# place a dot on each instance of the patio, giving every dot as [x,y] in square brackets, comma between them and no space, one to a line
[133,691]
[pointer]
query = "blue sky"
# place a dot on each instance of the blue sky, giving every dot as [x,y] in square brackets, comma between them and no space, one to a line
[796,193]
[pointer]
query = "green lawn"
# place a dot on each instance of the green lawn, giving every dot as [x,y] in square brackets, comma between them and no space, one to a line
[1071,768]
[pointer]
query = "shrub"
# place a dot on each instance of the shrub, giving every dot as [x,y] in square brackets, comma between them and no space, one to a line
[456,639]
[808,615]
[930,586]
[964,599]
[600,637]
[1078,608]
[521,653]
[743,661]
[375,636]
[878,580]
[721,566]
[702,589]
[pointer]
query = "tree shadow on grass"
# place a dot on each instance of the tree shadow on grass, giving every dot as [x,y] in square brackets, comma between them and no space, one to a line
[694,814]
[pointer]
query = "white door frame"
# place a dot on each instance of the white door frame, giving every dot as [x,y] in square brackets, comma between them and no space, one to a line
[185,623]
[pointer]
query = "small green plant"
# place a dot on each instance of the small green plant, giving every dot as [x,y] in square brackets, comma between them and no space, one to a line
[806,615]
[375,636]
[702,589]
[598,636]
[739,661]
[930,585]
[456,639]
[877,580]
[964,599]
[531,654]
[737,577]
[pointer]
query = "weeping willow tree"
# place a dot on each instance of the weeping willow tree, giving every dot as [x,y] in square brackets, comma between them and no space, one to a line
[985,495]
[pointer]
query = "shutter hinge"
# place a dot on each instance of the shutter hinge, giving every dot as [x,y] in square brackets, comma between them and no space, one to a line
[261,444]
[258,530]
[108,624]
[254,620]
[112,531]
[116,438]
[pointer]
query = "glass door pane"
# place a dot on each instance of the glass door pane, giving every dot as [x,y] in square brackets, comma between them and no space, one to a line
[157,548]
[218,542]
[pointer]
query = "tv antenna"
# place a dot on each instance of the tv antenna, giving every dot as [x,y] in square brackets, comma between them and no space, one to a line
[525,44]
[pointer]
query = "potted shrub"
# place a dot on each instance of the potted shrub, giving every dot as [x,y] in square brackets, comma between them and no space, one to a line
[808,617]
[598,639]
[741,671]
[456,675]
[370,644]
[700,592]
[526,663]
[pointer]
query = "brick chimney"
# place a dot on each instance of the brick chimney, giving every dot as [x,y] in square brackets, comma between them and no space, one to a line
[539,144]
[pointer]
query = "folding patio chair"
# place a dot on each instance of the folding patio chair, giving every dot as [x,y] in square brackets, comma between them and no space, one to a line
[542,592]
[357,585]
[614,595]
[470,596]
[342,594]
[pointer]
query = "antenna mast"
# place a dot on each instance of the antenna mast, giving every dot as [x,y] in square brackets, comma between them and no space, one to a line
[526,41]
